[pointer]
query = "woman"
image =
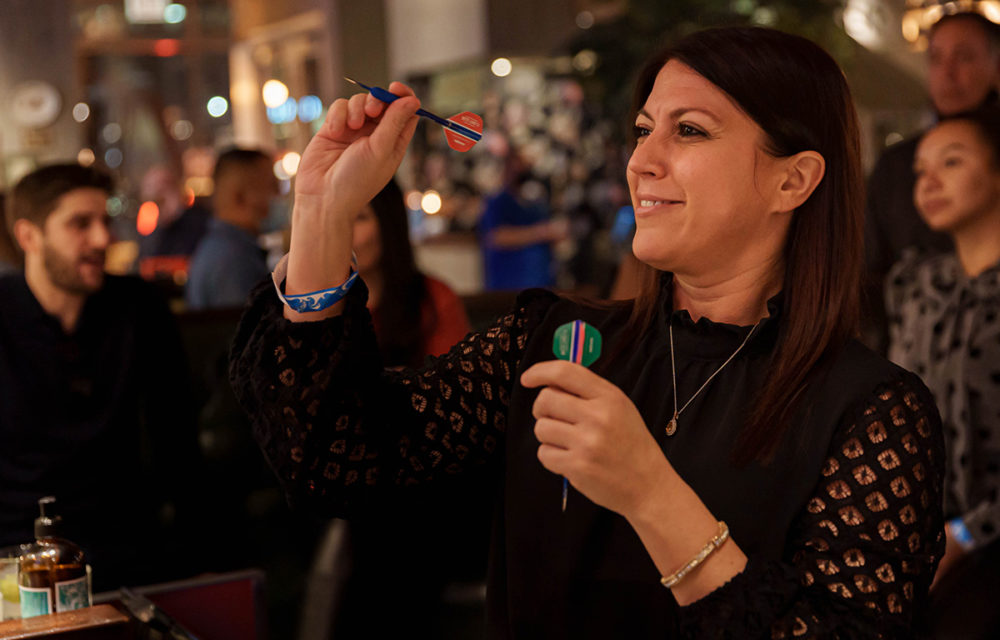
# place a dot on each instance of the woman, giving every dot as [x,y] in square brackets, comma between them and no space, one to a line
[798,490]
[943,325]
[415,315]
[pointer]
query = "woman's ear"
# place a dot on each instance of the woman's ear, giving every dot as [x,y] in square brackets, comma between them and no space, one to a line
[803,172]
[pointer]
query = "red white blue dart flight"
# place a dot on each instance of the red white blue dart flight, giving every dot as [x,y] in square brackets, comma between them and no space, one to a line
[462,130]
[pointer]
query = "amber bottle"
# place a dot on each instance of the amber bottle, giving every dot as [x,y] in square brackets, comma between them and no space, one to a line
[53,573]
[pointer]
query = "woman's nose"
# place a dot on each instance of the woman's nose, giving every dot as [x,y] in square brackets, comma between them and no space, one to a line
[648,159]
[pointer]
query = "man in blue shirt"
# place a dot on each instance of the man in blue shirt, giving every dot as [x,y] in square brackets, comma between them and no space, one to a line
[517,236]
[228,262]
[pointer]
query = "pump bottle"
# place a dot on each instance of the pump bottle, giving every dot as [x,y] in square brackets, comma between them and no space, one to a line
[53,573]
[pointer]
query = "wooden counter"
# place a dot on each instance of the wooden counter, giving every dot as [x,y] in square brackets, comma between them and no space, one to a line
[100,622]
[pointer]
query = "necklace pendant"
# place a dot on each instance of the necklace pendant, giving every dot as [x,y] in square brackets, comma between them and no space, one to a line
[672,426]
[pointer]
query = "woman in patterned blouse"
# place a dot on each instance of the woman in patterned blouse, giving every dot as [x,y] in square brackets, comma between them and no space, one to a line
[731,396]
[944,325]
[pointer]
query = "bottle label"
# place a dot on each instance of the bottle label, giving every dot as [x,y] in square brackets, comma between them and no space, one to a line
[35,601]
[72,594]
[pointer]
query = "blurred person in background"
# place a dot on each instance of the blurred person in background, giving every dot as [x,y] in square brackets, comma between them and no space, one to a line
[944,324]
[963,74]
[180,224]
[228,261]
[96,406]
[415,316]
[10,259]
[517,234]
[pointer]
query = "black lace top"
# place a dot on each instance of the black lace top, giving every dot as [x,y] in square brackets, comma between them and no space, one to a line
[843,531]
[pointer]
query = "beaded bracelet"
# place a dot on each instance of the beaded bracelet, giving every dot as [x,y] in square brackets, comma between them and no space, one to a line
[316,300]
[673,579]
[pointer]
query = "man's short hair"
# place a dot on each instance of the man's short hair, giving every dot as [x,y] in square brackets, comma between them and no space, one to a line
[989,28]
[237,161]
[35,196]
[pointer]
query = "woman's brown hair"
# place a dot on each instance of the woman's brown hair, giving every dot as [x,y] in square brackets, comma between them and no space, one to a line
[798,95]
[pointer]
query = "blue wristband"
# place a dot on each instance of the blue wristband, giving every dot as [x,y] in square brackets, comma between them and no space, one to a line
[960,532]
[315,300]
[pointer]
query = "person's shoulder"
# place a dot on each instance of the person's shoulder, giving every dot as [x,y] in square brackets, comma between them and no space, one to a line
[115,284]
[860,372]
[901,152]
[438,288]
[10,281]
[131,290]
[916,268]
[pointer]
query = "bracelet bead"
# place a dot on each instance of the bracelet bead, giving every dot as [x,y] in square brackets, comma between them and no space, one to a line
[674,579]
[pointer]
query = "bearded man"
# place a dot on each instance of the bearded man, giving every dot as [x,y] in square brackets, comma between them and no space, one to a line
[95,406]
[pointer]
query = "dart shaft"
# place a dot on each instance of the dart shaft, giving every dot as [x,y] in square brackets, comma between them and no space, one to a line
[387,98]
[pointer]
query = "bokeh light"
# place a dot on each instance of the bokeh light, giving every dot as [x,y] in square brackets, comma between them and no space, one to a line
[279,171]
[413,199]
[290,163]
[182,130]
[283,113]
[174,13]
[86,157]
[501,67]
[217,106]
[431,202]
[116,206]
[112,132]
[310,108]
[149,215]
[167,47]
[81,111]
[113,157]
[274,93]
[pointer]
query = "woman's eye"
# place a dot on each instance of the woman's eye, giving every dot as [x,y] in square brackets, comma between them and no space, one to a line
[952,162]
[687,131]
[640,131]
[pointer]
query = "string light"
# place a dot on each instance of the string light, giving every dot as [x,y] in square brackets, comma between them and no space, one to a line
[920,15]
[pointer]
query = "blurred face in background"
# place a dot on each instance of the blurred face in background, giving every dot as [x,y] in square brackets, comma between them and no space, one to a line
[74,240]
[260,188]
[958,181]
[367,240]
[963,67]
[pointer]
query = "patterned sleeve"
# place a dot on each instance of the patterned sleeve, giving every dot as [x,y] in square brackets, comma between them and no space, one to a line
[340,432]
[861,555]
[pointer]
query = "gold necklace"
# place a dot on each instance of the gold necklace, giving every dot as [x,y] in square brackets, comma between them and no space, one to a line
[672,424]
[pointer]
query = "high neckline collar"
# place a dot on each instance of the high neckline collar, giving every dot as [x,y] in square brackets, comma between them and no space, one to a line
[708,339]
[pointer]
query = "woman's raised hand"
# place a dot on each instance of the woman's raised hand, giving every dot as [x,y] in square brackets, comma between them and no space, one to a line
[357,150]
[591,433]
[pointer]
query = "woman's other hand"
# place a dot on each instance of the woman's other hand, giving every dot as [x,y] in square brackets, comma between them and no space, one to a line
[592,433]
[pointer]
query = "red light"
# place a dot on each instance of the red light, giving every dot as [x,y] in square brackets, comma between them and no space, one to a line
[189,197]
[149,214]
[167,48]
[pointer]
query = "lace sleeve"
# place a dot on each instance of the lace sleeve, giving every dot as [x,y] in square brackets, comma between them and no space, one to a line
[340,432]
[861,556]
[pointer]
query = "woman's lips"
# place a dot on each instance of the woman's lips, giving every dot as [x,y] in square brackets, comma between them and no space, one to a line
[648,205]
[935,205]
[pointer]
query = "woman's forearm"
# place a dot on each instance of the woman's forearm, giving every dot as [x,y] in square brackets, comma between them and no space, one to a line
[674,525]
[320,252]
